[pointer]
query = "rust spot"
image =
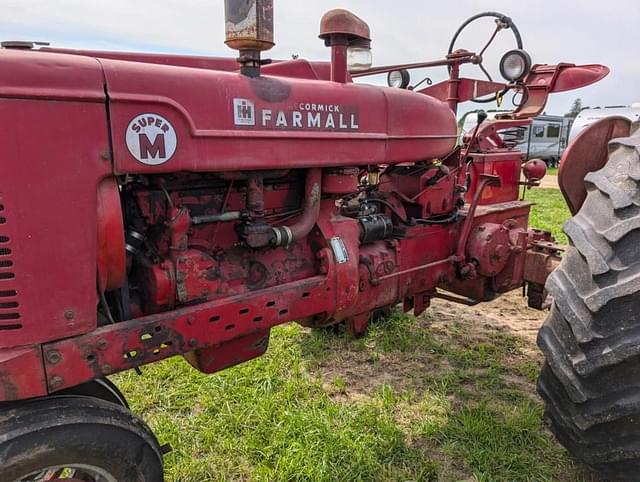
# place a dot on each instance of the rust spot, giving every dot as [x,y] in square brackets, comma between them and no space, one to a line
[257,275]
[8,390]
[55,382]
[314,196]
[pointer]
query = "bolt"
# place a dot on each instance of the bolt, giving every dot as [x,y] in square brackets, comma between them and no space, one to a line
[69,314]
[53,356]
[193,342]
[102,344]
[106,368]
[56,381]
[86,350]
[466,269]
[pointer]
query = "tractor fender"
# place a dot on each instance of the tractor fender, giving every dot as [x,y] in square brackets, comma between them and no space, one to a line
[587,153]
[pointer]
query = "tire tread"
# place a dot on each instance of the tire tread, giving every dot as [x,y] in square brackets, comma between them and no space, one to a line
[590,382]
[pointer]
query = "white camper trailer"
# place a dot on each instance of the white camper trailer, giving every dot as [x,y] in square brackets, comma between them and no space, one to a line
[586,117]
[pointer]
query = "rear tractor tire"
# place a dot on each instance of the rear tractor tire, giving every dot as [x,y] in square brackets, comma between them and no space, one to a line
[76,438]
[590,382]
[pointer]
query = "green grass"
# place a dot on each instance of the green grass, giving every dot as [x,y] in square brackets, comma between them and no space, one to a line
[415,399]
[549,213]
[271,419]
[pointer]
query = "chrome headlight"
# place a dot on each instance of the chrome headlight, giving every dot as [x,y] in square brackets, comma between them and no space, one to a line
[398,79]
[515,65]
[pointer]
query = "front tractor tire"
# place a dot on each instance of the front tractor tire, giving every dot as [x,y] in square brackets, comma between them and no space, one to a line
[590,382]
[77,438]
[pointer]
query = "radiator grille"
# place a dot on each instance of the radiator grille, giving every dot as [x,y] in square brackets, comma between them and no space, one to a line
[9,305]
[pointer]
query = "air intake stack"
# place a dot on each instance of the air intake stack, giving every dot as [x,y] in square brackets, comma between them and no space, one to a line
[249,29]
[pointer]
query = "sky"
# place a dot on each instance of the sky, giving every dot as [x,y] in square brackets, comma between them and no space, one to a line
[575,31]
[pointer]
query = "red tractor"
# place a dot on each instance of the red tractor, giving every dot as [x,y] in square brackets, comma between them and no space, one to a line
[162,205]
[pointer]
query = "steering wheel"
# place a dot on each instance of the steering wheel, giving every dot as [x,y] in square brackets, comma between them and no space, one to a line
[502,22]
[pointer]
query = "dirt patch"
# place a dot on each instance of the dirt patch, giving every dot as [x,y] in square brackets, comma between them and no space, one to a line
[361,377]
[549,182]
[433,347]
[508,313]
[451,470]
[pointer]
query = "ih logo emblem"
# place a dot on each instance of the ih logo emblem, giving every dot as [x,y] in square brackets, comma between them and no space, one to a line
[244,112]
[151,139]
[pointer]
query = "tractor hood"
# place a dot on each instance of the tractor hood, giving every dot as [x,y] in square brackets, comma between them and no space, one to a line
[198,114]
[35,74]
[178,118]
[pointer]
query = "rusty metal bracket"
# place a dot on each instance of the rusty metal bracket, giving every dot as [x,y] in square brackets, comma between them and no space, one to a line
[136,342]
[541,258]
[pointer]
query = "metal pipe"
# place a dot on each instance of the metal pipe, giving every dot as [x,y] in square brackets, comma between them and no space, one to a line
[466,59]
[339,61]
[216,218]
[453,88]
[456,299]
[450,259]
[284,235]
[255,197]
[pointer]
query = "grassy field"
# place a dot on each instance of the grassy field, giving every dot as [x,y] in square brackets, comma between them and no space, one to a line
[550,212]
[446,396]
